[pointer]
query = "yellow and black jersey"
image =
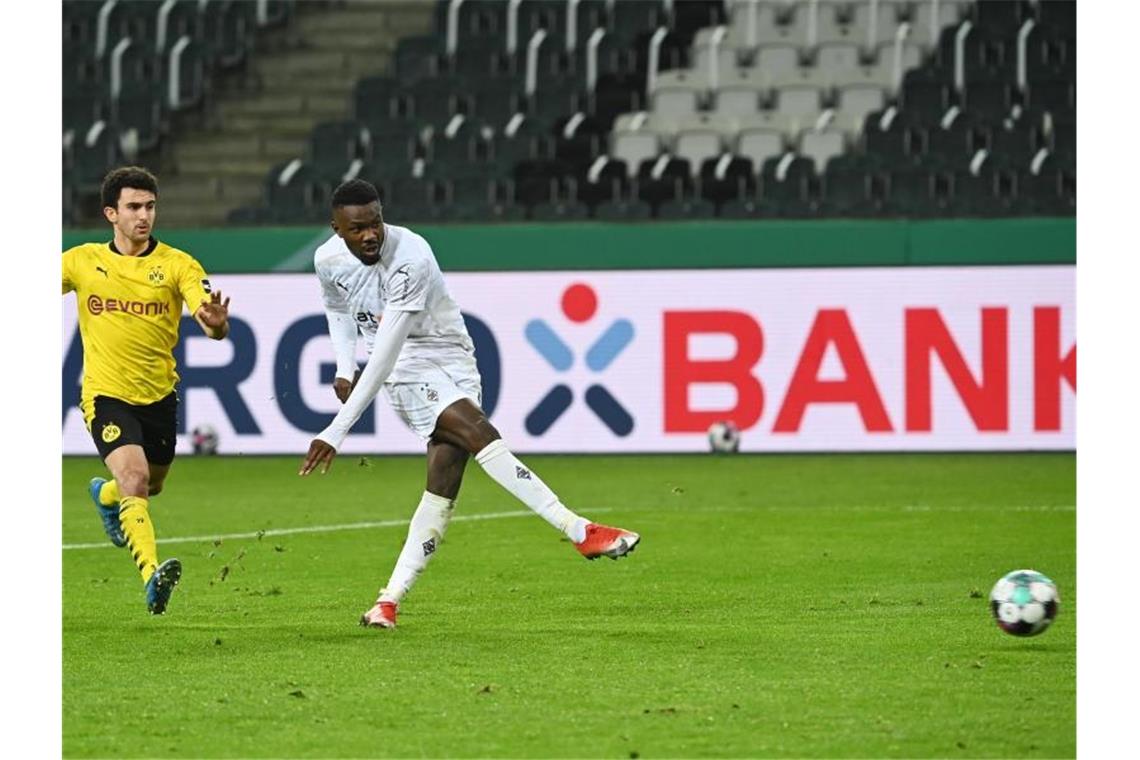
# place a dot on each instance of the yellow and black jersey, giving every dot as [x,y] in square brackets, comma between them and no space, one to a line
[129,311]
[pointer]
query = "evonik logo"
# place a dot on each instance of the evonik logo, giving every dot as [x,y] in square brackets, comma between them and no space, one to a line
[97,306]
[579,304]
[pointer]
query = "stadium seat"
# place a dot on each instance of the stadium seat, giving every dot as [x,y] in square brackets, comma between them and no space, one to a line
[789,187]
[228,30]
[606,180]
[634,147]
[821,147]
[726,177]
[853,106]
[846,188]
[664,178]
[695,146]
[759,145]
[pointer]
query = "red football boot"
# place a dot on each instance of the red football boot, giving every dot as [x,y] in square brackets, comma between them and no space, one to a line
[604,541]
[382,615]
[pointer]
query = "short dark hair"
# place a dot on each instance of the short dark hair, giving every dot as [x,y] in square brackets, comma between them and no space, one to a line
[134,177]
[354,192]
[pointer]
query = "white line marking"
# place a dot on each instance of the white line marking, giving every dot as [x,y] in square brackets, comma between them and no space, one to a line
[523,513]
[314,529]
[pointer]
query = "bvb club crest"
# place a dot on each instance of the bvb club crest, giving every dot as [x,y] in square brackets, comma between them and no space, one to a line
[111,432]
[156,276]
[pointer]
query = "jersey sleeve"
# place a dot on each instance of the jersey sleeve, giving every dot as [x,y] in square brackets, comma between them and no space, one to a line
[333,300]
[407,286]
[342,326]
[193,284]
[68,257]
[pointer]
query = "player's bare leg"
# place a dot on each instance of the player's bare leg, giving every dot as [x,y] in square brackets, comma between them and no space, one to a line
[466,426]
[131,471]
[105,495]
[158,473]
[445,465]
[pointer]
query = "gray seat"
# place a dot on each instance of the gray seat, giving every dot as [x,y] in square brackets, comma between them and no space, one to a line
[821,147]
[837,57]
[737,101]
[854,104]
[777,60]
[828,26]
[696,146]
[674,101]
[798,100]
[767,31]
[921,32]
[759,145]
[633,148]
[682,79]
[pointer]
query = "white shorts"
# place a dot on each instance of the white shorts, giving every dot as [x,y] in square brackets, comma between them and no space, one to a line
[438,386]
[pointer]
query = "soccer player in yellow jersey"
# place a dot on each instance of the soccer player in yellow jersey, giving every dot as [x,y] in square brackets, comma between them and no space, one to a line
[129,293]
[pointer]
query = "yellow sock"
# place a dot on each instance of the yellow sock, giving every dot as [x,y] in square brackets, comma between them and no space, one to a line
[134,517]
[109,493]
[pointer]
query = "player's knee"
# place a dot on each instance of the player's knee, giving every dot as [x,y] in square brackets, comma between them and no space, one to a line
[133,482]
[483,433]
[155,488]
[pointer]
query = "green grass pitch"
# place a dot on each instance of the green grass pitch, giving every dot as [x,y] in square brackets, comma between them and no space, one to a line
[799,606]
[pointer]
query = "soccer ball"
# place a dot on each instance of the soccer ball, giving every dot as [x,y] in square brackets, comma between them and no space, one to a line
[205,439]
[724,437]
[1024,602]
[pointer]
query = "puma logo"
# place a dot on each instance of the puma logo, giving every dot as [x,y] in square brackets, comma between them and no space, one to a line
[101,269]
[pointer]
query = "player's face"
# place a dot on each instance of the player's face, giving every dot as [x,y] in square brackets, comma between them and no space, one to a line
[133,217]
[362,230]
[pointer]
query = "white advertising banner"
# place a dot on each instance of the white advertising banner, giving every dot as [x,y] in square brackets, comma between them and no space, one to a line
[874,359]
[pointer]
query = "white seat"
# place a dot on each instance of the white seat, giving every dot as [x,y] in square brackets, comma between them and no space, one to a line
[773,60]
[766,29]
[789,125]
[727,58]
[885,24]
[696,146]
[735,101]
[854,105]
[911,58]
[682,79]
[633,148]
[707,121]
[796,30]
[742,78]
[758,145]
[862,76]
[674,101]
[830,29]
[798,101]
[837,57]
[820,147]
[921,33]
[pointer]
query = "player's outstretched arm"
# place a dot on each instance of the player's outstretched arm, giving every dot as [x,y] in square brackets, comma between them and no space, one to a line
[213,316]
[394,329]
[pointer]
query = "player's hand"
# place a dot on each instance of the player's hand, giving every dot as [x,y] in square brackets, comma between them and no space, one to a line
[214,312]
[320,454]
[342,387]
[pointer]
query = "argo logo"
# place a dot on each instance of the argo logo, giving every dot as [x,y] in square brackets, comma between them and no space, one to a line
[579,304]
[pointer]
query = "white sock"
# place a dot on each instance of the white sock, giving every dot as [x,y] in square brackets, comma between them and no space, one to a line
[526,486]
[424,536]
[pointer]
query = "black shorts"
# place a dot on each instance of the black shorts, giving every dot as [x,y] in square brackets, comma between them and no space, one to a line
[152,426]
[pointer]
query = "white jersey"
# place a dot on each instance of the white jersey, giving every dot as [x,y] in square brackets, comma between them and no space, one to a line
[407,278]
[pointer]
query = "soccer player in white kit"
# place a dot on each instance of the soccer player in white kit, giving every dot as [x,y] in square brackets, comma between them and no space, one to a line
[382,282]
